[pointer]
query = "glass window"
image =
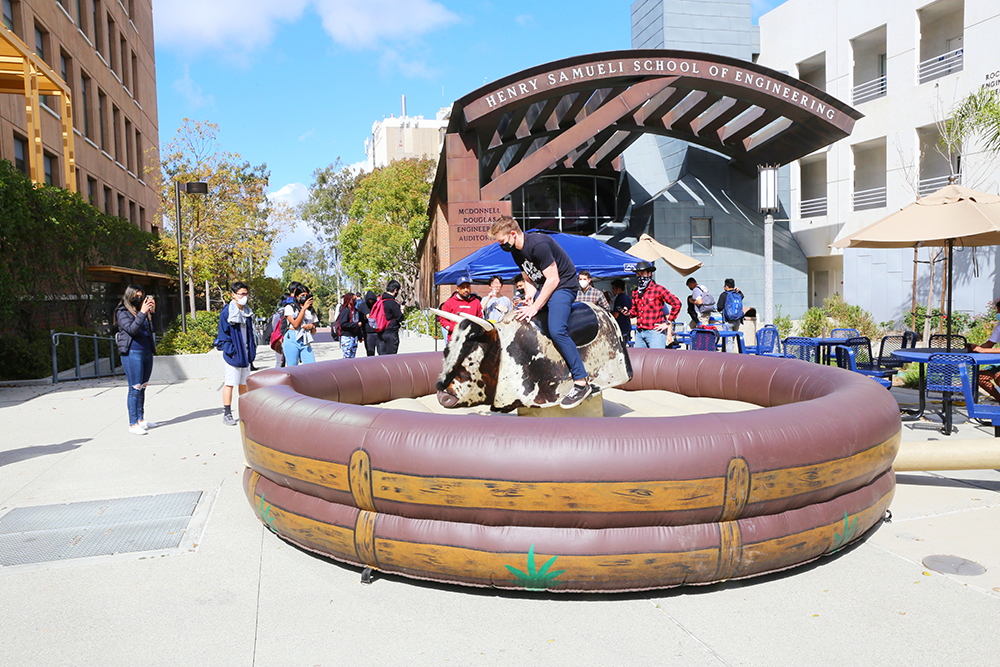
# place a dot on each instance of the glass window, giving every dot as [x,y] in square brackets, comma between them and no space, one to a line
[20,154]
[84,112]
[92,191]
[97,25]
[701,236]
[39,43]
[49,168]
[541,204]
[8,14]
[101,120]
[114,129]
[107,200]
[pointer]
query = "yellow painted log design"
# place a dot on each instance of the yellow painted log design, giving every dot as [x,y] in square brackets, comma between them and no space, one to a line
[730,549]
[733,492]
[322,473]
[549,496]
[361,480]
[364,538]
[731,558]
[737,489]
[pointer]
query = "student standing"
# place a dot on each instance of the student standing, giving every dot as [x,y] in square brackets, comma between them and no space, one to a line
[349,326]
[136,345]
[297,344]
[239,347]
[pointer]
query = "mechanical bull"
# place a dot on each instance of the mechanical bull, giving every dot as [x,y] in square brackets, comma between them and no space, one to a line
[512,364]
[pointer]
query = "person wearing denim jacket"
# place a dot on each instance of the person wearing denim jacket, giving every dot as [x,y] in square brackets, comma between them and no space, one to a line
[136,345]
[239,347]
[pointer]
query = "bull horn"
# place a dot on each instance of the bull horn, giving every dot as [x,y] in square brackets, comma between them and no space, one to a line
[448,316]
[485,324]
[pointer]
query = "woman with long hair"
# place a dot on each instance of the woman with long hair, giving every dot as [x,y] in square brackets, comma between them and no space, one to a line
[349,326]
[302,319]
[136,345]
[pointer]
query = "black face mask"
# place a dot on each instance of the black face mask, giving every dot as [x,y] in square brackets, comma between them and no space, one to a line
[137,303]
[303,299]
[506,247]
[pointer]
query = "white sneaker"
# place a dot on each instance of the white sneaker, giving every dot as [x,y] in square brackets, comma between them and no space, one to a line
[147,425]
[137,429]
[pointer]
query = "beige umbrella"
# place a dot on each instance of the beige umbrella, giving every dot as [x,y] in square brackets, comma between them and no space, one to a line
[651,250]
[951,215]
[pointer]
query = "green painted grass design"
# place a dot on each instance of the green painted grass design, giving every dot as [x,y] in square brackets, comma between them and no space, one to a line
[536,580]
[841,539]
[265,514]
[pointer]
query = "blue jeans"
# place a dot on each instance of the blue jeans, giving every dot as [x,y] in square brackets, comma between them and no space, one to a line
[295,352]
[138,365]
[651,338]
[349,346]
[559,305]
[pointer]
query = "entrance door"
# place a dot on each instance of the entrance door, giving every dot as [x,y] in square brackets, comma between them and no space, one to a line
[821,288]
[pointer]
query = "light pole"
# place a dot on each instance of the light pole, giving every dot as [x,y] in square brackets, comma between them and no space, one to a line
[192,188]
[767,179]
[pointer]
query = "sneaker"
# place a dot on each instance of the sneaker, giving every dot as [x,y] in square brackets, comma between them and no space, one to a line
[575,396]
[229,420]
[137,429]
[147,425]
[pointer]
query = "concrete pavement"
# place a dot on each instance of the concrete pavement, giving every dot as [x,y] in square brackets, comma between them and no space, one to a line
[238,595]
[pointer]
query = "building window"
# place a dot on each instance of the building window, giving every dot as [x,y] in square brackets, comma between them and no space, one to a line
[121,206]
[96,15]
[701,236]
[112,61]
[122,62]
[135,76]
[142,220]
[50,166]
[115,120]
[138,154]
[80,16]
[128,146]
[108,200]
[131,211]
[66,70]
[569,204]
[102,120]
[8,14]
[84,112]
[41,41]
[92,191]
[21,154]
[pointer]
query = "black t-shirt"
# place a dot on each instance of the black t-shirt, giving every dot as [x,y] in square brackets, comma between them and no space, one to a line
[539,251]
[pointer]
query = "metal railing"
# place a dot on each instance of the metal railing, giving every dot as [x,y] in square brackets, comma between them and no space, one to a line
[943,65]
[929,186]
[868,199]
[869,90]
[97,359]
[812,208]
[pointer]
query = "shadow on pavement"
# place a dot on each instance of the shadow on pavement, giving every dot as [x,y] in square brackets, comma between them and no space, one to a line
[937,480]
[199,414]
[25,453]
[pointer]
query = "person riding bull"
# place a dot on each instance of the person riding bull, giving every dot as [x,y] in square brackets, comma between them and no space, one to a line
[550,282]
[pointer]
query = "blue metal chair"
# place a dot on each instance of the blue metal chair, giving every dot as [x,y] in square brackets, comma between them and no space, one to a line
[846,360]
[801,348]
[844,333]
[941,341]
[768,342]
[862,348]
[892,343]
[990,413]
[704,339]
[944,376]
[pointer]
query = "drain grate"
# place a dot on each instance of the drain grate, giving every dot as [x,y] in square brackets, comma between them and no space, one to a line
[50,533]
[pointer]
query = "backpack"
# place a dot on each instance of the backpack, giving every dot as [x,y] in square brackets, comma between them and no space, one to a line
[377,320]
[733,310]
[707,300]
[275,337]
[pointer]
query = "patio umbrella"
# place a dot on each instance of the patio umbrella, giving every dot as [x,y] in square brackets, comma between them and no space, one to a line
[651,250]
[588,253]
[951,215]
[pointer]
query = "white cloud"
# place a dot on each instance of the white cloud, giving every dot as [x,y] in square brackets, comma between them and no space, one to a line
[524,20]
[300,233]
[191,92]
[242,25]
[367,23]
[411,69]
[307,135]
[246,25]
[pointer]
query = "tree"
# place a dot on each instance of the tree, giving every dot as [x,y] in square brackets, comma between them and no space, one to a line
[329,204]
[228,233]
[388,213]
[311,266]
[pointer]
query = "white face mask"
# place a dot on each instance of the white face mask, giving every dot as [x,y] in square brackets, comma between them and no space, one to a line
[584,284]
[241,301]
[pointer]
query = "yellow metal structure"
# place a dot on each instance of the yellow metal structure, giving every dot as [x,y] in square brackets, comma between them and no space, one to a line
[24,73]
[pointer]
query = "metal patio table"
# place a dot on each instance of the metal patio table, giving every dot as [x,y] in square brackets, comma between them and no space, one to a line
[828,343]
[921,355]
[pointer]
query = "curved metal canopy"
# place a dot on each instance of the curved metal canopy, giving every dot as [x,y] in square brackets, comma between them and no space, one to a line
[583,112]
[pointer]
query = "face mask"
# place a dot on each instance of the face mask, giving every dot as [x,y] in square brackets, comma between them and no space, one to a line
[506,247]
[241,301]
[303,299]
[584,284]
[137,302]
[643,282]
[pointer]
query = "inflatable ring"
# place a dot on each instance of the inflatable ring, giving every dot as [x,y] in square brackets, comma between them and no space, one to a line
[576,503]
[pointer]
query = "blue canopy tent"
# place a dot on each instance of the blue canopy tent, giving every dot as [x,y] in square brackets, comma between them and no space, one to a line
[588,253]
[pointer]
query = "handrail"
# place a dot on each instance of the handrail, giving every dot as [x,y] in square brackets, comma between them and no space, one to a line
[76,350]
[871,198]
[928,186]
[869,90]
[942,65]
[812,208]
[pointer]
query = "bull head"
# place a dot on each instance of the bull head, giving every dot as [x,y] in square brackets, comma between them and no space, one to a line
[471,362]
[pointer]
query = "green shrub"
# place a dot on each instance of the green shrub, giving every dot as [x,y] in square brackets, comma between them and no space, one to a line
[813,323]
[910,376]
[961,323]
[853,317]
[422,322]
[980,329]
[201,331]
[783,322]
[28,356]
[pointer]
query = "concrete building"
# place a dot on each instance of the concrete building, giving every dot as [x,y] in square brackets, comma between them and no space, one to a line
[692,198]
[400,138]
[103,52]
[904,64]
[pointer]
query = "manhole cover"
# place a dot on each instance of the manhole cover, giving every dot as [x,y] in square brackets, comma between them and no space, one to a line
[953,565]
[47,533]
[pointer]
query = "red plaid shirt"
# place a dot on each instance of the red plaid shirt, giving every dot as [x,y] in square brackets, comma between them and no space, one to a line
[648,309]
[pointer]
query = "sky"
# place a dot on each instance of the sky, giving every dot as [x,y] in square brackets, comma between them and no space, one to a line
[297,84]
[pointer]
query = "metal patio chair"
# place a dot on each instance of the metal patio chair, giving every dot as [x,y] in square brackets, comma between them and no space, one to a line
[944,377]
[804,349]
[846,360]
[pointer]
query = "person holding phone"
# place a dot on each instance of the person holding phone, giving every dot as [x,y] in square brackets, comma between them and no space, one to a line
[302,319]
[136,345]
